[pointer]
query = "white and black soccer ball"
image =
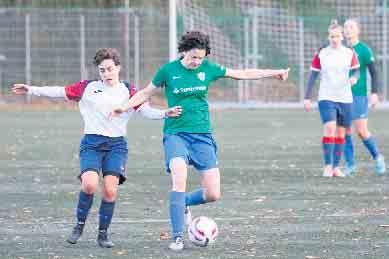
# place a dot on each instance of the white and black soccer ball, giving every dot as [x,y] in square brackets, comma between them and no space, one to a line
[202,231]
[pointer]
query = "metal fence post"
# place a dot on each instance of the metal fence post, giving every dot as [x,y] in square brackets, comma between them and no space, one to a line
[385,51]
[301,58]
[82,48]
[244,95]
[136,50]
[126,38]
[28,53]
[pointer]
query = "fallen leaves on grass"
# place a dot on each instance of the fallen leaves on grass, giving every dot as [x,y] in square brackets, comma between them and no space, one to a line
[164,236]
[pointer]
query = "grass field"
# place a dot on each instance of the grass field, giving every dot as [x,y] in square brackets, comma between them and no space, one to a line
[275,203]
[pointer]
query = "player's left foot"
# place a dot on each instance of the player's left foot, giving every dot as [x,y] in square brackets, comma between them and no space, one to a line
[380,167]
[177,245]
[103,241]
[350,170]
[338,173]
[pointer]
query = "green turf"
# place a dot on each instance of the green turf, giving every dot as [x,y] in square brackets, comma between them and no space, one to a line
[275,203]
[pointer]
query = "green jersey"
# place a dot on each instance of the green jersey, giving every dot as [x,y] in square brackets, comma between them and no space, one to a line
[365,57]
[188,88]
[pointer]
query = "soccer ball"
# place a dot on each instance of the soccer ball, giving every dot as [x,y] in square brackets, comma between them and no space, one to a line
[202,231]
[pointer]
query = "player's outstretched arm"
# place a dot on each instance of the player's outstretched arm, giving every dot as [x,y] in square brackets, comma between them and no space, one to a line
[253,73]
[157,114]
[136,100]
[46,91]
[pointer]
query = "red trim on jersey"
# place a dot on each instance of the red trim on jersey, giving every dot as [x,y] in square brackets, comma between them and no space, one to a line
[316,63]
[340,141]
[75,91]
[133,91]
[328,140]
[354,61]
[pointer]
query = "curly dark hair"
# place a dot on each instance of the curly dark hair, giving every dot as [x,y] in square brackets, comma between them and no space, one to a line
[194,40]
[107,53]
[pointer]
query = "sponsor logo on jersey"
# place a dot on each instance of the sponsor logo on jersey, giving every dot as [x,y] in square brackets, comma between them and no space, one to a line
[189,89]
[201,76]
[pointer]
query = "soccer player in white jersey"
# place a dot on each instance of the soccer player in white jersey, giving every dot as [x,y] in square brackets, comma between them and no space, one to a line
[103,148]
[339,70]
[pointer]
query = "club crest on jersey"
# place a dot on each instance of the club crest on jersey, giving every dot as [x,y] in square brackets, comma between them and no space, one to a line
[201,76]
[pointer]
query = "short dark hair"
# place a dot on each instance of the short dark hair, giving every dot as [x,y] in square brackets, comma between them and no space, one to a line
[194,40]
[107,53]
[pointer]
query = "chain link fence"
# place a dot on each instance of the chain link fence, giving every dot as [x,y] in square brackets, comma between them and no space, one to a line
[56,46]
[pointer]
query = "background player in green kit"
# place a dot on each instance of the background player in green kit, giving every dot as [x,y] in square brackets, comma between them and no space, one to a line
[360,100]
[188,139]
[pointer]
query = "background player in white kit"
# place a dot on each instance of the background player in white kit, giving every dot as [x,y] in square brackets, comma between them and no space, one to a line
[104,146]
[339,69]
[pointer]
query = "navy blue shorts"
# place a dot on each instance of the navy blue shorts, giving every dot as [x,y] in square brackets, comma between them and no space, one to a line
[360,107]
[335,111]
[104,154]
[197,149]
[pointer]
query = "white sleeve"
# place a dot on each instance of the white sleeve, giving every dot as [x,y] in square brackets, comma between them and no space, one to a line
[151,113]
[47,91]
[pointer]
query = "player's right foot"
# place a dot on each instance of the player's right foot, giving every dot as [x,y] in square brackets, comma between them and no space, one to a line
[380,166]
[328,172]
[177,245]
[76,234]
[350,170]
[103,241]
[338,173]
[188,216]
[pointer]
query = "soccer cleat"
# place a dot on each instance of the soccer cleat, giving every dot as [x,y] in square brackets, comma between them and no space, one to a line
[103,241]
[338,173]
[76,233]
[380,167]
[177,245]
[188,216]
[350,170]
[327,171]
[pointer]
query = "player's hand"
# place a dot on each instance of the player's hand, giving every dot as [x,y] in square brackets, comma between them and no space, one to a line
[174,111]
[116,112]
[283,75]
[20,89]
[307,105]
[374,100]
[353,80]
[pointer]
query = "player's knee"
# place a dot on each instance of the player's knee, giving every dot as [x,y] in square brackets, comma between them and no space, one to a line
[110,193]
[89,187]
[363,134]
[213,195]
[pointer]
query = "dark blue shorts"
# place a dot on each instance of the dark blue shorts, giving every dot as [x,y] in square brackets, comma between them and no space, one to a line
[104,154]
[197,149]
[360,107]
[335,111]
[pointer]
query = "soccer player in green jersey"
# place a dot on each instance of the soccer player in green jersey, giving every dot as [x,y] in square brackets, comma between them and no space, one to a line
[360,100]
[188,138]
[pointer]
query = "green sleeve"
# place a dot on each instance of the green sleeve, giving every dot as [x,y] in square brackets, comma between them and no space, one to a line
[368,56]
[159,79]
[217,71]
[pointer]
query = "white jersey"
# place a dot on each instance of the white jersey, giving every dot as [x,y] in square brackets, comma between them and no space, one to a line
[96,101]
[334,65]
